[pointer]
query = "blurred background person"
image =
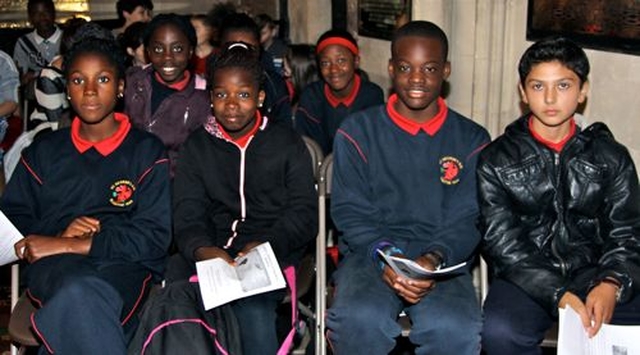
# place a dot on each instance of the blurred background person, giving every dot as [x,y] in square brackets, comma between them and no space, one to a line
[9,84]
[132,11]
[299,69]
[270,40]
[204,48]
[132,42]
[34,50]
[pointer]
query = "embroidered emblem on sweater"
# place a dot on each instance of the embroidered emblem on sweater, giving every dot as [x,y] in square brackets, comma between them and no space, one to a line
[450,168]
[122,193]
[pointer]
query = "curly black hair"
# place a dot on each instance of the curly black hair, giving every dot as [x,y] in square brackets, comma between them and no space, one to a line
[240,22]
[181,22]
[240,56]
[107,48]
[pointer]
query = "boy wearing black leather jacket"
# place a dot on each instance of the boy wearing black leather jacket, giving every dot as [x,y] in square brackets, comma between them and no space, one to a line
[560,211]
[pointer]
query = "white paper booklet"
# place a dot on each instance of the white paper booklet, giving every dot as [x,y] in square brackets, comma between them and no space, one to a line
[256,272]
[411,270]
[9,235]
[610,340]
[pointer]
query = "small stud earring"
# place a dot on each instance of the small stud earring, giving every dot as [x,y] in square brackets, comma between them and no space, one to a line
[68,97]
[211,105]
[260,104]
[120,95]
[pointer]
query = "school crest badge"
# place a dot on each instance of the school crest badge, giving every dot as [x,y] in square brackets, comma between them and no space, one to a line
[450,169]
[122,193]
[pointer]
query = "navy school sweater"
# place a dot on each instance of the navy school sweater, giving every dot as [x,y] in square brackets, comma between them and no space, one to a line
[127,190]
[319,119]
[415,191]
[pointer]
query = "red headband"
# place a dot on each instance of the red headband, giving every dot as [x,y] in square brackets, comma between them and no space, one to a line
[339,41]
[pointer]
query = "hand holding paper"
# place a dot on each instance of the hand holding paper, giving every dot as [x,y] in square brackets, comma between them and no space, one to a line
[411,270]
[9,236]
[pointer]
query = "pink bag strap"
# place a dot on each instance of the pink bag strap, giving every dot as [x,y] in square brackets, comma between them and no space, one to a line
[290,275]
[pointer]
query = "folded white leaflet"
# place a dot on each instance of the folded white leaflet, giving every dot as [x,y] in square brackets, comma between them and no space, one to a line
[256,272]
[409,269]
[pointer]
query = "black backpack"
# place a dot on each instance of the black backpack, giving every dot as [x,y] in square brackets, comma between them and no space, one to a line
[173,321]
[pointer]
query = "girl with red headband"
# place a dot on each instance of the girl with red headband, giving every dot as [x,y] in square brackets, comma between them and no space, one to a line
[324,104]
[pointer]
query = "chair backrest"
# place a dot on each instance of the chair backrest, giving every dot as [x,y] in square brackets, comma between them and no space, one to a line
[316,155]
[325,175]
[324,190]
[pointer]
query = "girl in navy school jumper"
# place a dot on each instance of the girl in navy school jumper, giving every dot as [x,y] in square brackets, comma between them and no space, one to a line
[166,98]
[342,91]
[96,214]
[242,181]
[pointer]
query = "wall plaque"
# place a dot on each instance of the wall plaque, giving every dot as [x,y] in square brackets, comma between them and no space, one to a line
[379,18]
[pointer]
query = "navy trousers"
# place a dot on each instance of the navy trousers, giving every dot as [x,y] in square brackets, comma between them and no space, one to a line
[362,318]
[515,324]
[88,306]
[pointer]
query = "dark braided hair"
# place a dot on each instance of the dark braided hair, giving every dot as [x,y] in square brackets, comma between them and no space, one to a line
[237,55]
[240,22]
[107,48]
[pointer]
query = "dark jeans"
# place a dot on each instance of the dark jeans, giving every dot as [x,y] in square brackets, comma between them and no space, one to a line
[85,303]
[515,324]
[362,319]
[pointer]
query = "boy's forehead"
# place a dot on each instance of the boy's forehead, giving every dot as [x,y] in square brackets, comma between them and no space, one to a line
[552,69]
[411,44]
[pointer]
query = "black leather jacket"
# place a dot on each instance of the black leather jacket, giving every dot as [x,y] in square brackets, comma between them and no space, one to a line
[560,222]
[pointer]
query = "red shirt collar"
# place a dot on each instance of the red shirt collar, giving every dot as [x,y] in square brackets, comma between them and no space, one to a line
[430,127]
[557,147]
[244,140]
[105,146]
[178,86]
[334,101]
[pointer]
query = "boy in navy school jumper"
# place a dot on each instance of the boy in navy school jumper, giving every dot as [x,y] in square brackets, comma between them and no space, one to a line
[404,184]
[242,181]
[560,211]
[96,214]
[324,104]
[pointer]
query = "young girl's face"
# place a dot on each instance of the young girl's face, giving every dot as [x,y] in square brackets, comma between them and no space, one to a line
[203,31]
[235,96]
[267,34]
[338,67]
[169,52]
[139,14]
[139,55]
[286,67]
[93,87]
